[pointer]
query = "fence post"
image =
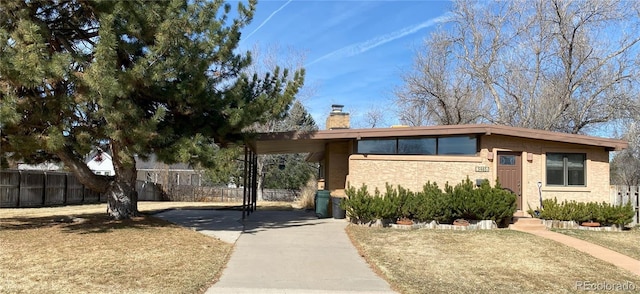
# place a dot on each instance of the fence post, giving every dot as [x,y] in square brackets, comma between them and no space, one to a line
[66,188]
[19,188]
[44,188]
[635,198]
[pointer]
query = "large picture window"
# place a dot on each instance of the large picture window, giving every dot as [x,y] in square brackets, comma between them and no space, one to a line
[456,145]
[566,169]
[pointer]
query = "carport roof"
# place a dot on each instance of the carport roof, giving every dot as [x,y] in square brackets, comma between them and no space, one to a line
[312,142]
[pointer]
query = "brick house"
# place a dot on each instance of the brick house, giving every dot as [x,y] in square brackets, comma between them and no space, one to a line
[525,161]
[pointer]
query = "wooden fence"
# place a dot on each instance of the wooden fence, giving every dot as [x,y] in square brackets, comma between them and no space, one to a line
[621,195]
[222,194]
[46,188]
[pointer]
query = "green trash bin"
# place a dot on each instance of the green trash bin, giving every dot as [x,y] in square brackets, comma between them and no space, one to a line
[322,203]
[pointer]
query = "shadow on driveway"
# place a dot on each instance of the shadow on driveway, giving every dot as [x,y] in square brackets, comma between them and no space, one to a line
[284,252]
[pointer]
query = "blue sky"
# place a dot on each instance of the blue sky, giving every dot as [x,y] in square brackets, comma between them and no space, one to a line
[355,50]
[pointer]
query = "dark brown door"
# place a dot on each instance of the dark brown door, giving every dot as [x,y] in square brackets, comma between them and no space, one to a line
[510,173]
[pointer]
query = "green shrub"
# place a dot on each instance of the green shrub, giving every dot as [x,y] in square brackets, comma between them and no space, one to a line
[384,206]
[604,213]
[619,215]
[494,203]
[432,204]
[462,199]
[407,200]
[363,207]
[358,204]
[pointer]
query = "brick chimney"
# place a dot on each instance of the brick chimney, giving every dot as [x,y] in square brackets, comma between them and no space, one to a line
[337,119]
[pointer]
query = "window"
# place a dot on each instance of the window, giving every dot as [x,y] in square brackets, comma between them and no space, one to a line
[457,145]
[566,169]
[507,160]
[460,145]
[384,146]
[425,146]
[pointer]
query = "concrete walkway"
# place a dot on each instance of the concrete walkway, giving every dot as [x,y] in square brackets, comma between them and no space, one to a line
[284,252]
[597,251]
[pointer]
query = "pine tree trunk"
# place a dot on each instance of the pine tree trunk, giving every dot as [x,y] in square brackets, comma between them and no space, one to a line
[122,197]
[122,200]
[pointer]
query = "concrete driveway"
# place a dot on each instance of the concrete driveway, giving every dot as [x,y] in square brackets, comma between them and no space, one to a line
[284,252]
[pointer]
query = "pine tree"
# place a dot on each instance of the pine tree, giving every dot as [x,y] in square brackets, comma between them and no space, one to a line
[142,77]
[289,171]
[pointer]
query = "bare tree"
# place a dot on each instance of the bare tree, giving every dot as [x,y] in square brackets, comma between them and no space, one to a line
[373,117]
[553,65]
[437,90]
[625,166]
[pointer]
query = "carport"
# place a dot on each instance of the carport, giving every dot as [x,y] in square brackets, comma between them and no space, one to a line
[274,143]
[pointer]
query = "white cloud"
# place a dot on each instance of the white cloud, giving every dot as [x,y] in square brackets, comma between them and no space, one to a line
[358,48]
[268,18]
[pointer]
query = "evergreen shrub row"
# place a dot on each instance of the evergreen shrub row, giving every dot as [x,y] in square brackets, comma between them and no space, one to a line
[461,201]
[604,213]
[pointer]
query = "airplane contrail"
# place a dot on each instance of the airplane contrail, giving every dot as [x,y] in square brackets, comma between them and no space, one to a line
[358,48]
[268,18]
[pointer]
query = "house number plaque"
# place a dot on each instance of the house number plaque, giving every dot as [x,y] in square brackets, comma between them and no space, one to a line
[482,169]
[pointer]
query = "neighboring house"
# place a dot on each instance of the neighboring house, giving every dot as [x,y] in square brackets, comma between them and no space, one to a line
[525,161]
[152,170]
[46,166]
[101,163]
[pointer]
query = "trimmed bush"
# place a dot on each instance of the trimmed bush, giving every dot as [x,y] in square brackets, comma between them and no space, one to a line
[358,204]
[494,204]
[432,204]
[604,213]
[462,201]
[384,206]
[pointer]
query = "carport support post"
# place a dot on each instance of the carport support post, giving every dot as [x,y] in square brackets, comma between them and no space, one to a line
[244,185]
[250,182]
[254,182]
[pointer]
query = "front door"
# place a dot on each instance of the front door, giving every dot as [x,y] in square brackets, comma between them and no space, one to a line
[510,173]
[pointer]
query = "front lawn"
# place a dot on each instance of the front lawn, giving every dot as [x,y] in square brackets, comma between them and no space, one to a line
[93,254]
[625,242]
[496,261]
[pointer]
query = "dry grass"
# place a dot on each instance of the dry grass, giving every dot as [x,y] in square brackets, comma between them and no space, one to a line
[497,261]
[307,194]
[143,206]
[42,252]
[147,207]
[625,242]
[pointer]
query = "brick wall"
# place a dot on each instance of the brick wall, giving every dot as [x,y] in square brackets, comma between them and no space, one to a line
[412,171]
[534,170]
[336,164]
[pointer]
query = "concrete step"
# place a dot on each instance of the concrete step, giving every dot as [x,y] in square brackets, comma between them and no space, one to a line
[520,213]
[527,224]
